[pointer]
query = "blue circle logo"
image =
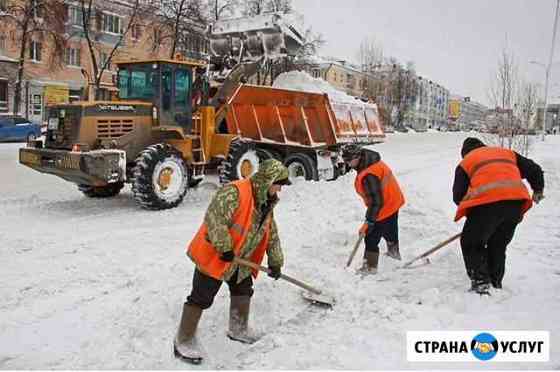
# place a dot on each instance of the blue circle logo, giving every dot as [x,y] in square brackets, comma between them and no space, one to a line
[484,346]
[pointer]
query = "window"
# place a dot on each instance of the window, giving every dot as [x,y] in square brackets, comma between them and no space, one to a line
[182,83]
[73,57]
[2,42]
[35,51]
[112,24]
[139,83]
[36,104]
[75,16]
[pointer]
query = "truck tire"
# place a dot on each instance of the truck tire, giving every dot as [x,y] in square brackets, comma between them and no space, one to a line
[301,165]
[241,162]
[160,177]
[108,191]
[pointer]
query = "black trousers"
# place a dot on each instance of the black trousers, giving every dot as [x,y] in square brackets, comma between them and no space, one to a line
[387,229]
[205,288]
[487,232]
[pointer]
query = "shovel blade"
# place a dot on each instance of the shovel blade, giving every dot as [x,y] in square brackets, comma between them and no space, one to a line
[318,299]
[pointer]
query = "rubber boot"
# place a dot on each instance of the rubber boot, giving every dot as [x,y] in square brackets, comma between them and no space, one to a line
[393,250]
[481,287]
[370,262]
[239,320]
[185,345]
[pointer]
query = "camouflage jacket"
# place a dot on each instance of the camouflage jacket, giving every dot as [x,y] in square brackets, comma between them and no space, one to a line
[224,204]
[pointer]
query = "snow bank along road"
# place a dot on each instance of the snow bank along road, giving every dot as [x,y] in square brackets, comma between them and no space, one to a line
[99,284]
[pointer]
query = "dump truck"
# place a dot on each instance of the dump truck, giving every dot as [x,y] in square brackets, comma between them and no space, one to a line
[162,140]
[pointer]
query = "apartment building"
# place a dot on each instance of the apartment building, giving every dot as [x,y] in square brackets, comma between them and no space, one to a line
[431,106]
[46,84]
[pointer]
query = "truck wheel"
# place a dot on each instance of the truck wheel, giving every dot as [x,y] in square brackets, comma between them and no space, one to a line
[160,177]
[301,165]
[242,161]
[108,191]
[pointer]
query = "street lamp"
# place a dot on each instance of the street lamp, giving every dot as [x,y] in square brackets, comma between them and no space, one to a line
[548,67]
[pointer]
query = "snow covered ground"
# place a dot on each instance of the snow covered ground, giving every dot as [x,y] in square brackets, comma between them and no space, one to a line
[99,284]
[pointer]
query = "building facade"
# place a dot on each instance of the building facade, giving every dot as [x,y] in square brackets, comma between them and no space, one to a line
[431,105]
[45,84]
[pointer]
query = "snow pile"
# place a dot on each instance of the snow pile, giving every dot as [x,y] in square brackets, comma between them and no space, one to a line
[303,82]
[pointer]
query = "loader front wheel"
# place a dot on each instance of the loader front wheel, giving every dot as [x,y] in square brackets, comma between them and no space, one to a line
[241,162]
[161,177]
[108,191]
[301,165]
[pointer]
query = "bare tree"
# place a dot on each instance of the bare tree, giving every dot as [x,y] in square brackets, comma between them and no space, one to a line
[502,94]
[256,7]
[370,58]
[394,88]
[94,23]
[179,23]
[223,8]
[526,107]
[37,24]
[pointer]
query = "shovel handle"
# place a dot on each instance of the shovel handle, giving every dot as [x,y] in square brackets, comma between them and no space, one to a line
[355,249]
[429,252]
[287,278]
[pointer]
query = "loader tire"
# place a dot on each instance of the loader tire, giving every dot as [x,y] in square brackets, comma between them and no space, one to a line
[301,165]
[112,189]
[241,162]
[160,177]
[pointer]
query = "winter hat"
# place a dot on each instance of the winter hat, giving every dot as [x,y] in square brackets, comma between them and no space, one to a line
[351,151]
[470,144]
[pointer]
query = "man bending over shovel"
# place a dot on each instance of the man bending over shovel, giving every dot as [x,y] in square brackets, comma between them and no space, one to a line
[381,193]
[239,223]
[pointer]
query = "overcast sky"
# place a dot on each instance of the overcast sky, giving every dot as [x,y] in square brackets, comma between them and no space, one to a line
[455,43]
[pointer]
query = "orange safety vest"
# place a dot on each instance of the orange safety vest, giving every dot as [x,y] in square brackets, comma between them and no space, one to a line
[393,197]
[494,176]
[207,258]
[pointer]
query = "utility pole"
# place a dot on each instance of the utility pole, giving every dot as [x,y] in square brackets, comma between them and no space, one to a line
[548,67]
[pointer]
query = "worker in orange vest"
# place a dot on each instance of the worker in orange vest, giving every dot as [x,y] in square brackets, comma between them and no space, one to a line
[489,191]
[377,186]
[239,222]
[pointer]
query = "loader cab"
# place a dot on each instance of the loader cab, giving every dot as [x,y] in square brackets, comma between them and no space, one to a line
[166,84]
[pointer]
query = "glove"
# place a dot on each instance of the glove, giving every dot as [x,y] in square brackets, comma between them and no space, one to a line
[537,197]
[274,272]
[227,256]
[366,226]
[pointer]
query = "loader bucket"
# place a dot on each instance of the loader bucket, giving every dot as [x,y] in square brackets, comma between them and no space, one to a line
[250,38]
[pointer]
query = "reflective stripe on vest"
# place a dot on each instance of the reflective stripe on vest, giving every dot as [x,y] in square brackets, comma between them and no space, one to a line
[493,177]
[393,198]
[207,258]
[473,193]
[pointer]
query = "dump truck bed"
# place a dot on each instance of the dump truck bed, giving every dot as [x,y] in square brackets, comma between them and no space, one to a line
[296,118]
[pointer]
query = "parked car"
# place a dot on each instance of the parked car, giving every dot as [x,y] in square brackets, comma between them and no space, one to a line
[17,128]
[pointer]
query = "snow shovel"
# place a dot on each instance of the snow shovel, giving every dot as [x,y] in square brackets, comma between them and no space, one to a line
[313,295]
[429,252]
[355,249]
